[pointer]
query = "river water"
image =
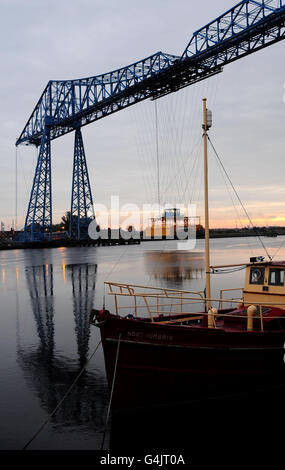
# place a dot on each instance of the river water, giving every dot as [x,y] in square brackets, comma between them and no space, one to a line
[45,300]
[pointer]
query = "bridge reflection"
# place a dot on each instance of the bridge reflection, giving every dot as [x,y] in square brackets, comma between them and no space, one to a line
[174,265]
[49,373]
[83,279]
[40,286]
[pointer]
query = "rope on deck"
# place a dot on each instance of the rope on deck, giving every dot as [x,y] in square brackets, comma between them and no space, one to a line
[112,391]
[63,398]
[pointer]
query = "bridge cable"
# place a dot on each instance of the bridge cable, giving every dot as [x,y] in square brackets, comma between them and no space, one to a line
[240,201]
[63,398]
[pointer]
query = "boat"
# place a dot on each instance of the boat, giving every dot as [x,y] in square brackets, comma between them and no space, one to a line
[165,346]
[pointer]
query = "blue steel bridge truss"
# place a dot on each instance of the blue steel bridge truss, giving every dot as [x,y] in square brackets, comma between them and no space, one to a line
[68,105]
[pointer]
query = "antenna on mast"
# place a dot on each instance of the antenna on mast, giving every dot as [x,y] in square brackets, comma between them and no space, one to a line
[207,124]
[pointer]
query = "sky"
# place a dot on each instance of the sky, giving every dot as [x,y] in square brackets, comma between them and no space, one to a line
[40,41]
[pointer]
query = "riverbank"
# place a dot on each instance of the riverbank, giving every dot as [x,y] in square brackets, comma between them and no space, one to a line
[247,232]
[272,232]
[14,245]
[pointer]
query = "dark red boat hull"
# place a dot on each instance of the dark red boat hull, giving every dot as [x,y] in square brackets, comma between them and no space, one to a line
[163,364]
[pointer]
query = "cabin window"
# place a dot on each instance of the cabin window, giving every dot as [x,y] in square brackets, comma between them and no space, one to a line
[257,276]
[276,277]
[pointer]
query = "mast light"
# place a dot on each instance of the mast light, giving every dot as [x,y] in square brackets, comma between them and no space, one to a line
[209,120]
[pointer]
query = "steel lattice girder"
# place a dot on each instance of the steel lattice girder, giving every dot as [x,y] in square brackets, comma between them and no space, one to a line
[38,224]
[82,209]
[244,29]
[64,103]
[243,17]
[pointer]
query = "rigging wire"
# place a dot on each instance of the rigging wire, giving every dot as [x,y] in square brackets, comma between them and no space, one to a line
[172,128]
[183,139]
[16,189]
[233,203]
[194,171]
[240,201]
[157,152]
[25,182]
[167,134]
[112,391]
[205,89]
[279,249]
[177,137]
[169,146]
[62,400]
[144,120]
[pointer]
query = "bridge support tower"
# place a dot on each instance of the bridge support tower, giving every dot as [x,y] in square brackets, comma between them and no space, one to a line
[82,209]
[38,223]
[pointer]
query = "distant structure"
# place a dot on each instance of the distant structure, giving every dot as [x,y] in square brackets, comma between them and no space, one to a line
[172,224]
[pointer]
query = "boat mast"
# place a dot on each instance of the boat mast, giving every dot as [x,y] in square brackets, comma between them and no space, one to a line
[207,123]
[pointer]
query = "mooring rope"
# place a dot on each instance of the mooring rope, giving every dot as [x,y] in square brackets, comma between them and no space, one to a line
[112,391]
[63,398]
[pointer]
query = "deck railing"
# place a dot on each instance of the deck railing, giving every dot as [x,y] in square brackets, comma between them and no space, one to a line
[157,301]
[236,299]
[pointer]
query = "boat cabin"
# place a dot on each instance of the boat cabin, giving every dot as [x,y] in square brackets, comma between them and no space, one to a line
[265,284]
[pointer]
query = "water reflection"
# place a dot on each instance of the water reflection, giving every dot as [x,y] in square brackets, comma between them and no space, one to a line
[49,360]
[83,279]
[174,265]
[40,286]
[50,374]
